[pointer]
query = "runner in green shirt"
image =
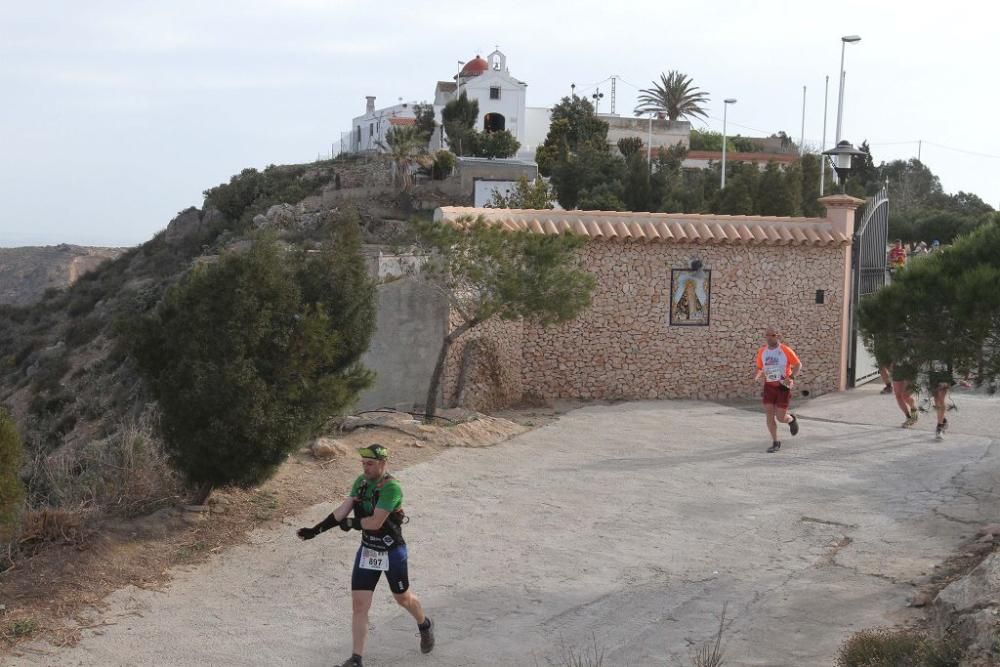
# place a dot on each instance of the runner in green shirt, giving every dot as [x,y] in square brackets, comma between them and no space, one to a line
[377,504]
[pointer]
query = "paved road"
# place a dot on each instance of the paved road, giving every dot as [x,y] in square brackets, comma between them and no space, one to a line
[627,525]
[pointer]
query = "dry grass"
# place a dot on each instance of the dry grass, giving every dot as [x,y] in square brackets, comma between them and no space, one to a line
[125,475]
[883,647]
[711,653]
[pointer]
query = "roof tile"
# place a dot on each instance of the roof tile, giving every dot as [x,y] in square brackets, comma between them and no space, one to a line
[657,227]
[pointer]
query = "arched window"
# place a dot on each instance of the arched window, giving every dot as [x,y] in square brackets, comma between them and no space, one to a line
[494,122]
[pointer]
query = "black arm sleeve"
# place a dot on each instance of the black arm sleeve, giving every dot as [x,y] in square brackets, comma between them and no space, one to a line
[326,524]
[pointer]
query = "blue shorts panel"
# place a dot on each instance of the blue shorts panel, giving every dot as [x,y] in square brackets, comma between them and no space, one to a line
[398,574]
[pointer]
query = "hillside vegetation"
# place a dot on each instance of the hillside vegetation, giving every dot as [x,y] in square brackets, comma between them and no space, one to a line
[67,374]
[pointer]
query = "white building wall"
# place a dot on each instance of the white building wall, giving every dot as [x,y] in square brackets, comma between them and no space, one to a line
[511,103]
[537,121]
[368,131]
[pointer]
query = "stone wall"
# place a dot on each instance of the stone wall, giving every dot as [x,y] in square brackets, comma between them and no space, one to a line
[483,370]
[665,133]
[624,348]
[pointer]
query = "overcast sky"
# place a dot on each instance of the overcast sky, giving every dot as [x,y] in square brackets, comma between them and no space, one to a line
[114,116]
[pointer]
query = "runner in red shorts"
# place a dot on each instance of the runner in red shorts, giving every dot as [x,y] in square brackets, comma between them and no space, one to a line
[778,365]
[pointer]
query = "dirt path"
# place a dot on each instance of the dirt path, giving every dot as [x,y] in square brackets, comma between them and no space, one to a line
[630,524]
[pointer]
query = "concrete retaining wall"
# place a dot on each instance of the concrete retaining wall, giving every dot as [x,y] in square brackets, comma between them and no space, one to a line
[411,325]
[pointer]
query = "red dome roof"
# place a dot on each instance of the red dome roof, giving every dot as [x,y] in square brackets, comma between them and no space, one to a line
[475,67]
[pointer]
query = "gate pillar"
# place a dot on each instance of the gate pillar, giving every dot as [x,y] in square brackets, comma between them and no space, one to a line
[840,212]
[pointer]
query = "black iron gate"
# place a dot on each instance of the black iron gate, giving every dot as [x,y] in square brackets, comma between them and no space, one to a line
[870,274]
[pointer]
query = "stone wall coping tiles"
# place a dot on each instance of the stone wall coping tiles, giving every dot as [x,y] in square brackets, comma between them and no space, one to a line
[658,227]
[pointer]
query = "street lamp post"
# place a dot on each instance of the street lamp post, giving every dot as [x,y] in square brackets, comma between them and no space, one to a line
[649,143]
[822,163]
[725,108]
[844,41]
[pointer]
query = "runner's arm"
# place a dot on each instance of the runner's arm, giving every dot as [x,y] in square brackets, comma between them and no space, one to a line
[336,516]
[332,521]
[375,521]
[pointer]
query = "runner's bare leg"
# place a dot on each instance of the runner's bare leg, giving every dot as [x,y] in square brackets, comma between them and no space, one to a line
[772,426]
[361,603]
[410,603]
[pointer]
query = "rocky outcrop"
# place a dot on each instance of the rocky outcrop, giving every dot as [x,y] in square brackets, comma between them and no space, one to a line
[25,273]
[971,606]
[191,224]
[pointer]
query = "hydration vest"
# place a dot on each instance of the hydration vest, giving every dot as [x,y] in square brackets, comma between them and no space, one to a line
[391,532]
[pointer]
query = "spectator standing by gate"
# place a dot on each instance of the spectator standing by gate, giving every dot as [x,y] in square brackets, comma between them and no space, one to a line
[897,256]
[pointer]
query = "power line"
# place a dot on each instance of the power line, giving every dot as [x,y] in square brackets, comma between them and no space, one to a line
[893,143]
[962,150]
[745,127]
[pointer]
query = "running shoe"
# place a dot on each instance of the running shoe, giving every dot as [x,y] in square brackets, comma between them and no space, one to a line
[793,426]
[912,419]
[353,661]
[427,636]
[774,447]
[939,432]
[887,389]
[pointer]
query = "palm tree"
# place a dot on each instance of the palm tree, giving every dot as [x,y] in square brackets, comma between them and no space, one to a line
[674,96]
[408,147]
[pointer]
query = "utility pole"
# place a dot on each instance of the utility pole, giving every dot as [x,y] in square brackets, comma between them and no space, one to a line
[598,96]
[802,135]
[822,158]
[920,147]
[614,79]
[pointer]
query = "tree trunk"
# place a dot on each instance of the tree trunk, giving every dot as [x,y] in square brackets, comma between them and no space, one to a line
[202,493]
[981,366]
[430,408]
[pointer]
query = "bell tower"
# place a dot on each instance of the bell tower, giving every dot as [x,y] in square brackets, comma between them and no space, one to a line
[497,61]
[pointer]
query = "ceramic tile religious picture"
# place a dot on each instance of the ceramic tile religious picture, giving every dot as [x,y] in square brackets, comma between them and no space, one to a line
[690,297]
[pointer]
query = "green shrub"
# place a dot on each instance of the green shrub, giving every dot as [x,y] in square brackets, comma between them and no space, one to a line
[12,313]
[45,405]
[251,191]
[249,356]
[50,372]
[708,140]
[26,350]
[11,488]
[444,164]
[22,627]
[82,332]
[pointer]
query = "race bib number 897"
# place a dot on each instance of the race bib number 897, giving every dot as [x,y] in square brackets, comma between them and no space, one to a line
[374,560]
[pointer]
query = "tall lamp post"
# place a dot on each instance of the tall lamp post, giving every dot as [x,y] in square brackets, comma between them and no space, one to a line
[725,108]
[649,142]
[844,41]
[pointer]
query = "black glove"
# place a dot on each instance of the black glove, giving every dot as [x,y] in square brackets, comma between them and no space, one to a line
[321,527]
[348,524]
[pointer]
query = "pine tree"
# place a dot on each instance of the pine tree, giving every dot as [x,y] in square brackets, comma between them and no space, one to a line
[248,357]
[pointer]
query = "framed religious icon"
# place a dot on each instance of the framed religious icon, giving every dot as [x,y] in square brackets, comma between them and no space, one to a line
[690,297]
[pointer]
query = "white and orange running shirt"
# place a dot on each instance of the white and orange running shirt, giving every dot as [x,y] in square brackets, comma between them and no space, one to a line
[776,362]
